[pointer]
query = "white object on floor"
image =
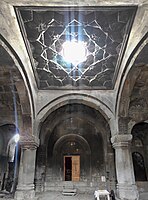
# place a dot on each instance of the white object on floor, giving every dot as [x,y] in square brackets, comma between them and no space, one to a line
[99,193]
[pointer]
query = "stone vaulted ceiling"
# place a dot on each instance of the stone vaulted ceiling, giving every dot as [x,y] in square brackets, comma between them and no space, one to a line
[32,34]
[104,30]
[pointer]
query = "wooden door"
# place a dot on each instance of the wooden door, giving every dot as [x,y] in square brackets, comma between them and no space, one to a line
[72,173]
[75,168]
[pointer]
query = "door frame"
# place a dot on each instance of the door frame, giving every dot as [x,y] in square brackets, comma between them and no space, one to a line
[76,169]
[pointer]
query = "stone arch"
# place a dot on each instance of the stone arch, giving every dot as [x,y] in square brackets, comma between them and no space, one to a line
[83,99]
[133,78]
[44,138]
[22,88]
[73,137]
[82,144]
[96,133]
[16,103]
[134,68]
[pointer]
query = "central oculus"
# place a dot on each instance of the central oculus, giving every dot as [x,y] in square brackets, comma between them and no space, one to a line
[74,51]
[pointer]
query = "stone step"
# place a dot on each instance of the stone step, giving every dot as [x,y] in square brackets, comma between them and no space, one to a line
[69,192]
[143,196]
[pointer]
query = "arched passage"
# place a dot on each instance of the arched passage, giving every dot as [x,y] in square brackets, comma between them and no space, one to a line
[16,108]
[139,151]
[71,145]
[139,167]
[131,109]
[75,129]
[16,93]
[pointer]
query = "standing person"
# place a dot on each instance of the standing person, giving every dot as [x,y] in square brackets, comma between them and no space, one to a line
[112,195]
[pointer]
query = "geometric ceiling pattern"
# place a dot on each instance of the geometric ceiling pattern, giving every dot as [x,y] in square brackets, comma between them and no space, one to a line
[103,32]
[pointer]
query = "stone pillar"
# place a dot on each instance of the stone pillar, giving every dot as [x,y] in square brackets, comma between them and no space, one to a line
[40,169]
[25,187]
[124,167]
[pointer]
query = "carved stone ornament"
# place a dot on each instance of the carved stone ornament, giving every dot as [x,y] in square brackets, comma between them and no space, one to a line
[29,142]
[121,140]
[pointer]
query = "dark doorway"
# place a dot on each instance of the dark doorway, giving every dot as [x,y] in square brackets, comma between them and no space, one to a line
[68,168]
[139,167]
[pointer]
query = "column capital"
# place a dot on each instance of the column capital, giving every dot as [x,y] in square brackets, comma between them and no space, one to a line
[121,140]
[28,141]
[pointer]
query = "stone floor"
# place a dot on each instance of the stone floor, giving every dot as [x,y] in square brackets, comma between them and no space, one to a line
[59,196]
[84,196]
[143,196]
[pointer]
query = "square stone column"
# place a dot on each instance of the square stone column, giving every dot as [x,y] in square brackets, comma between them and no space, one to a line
[25,187]
[124,167]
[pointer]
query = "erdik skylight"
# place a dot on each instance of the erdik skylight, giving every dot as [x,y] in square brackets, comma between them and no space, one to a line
[77,46]
[74,52]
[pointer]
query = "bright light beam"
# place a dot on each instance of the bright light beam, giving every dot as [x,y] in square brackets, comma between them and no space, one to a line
[16,137]
[74,52]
